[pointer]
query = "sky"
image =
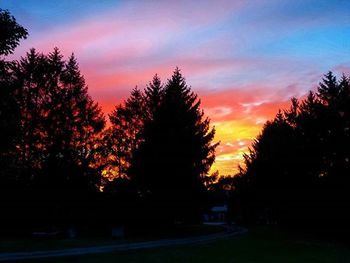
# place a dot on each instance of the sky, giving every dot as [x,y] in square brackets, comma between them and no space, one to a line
[245,59]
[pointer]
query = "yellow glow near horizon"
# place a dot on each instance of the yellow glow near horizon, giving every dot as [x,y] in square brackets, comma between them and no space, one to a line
[235,137]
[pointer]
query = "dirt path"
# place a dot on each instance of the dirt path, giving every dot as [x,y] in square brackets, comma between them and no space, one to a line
[122,247]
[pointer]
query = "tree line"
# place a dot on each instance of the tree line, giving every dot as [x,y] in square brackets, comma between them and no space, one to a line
[61,164]
[297,171]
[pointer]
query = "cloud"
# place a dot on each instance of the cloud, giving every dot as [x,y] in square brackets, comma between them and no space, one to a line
[244,59]
[343,68]
[236,127]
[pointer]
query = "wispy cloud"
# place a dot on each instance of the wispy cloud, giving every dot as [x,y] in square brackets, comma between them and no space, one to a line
[245,59]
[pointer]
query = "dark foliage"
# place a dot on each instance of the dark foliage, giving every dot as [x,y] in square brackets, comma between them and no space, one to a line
[11,33]
[125,134]
[128,121]
[54,148]
[160,149]
[52,125]
[175,155]
[59,121]
[9,120]
[297,171]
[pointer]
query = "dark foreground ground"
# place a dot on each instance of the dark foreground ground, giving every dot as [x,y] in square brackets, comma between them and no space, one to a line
[261,244]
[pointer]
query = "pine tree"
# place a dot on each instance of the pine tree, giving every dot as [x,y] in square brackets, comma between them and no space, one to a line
[153,96]
[328,89]
[9,124]
[59,120]
[75,121]
[302,159]
[125,134]
[11,33]
[127,130]
[31,72]
[176,154]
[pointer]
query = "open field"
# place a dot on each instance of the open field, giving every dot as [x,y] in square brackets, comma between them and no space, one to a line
[260,245]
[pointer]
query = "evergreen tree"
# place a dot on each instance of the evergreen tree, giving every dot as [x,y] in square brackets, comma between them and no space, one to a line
[74,120]
[153,96]
[31,72]
[11,33]
[59,120]
[176,154]
[55,149]
[298,169]
[125,134]
[9,123]
[328,89]
[127,130]
[49,128]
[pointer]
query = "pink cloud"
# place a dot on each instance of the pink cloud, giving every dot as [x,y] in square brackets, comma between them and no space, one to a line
[343,69]
[125,46]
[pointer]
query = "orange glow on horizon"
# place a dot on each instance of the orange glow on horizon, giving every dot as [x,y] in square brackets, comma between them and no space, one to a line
[238,119]
[235,138]
[244,61]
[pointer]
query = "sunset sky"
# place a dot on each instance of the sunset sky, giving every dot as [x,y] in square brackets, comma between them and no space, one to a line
[245,59]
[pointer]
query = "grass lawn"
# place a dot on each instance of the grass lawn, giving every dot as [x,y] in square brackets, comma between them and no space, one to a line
[262,244]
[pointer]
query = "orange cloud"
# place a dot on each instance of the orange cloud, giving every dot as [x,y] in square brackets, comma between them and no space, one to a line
[239,83]
[238,116]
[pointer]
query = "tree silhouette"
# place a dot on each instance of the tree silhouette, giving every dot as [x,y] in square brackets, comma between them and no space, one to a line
[59,120]
[53,155]
[125,134]
[153,96]
[11,33]
[298,169]
[176,154]
[9,123]
[328,90]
